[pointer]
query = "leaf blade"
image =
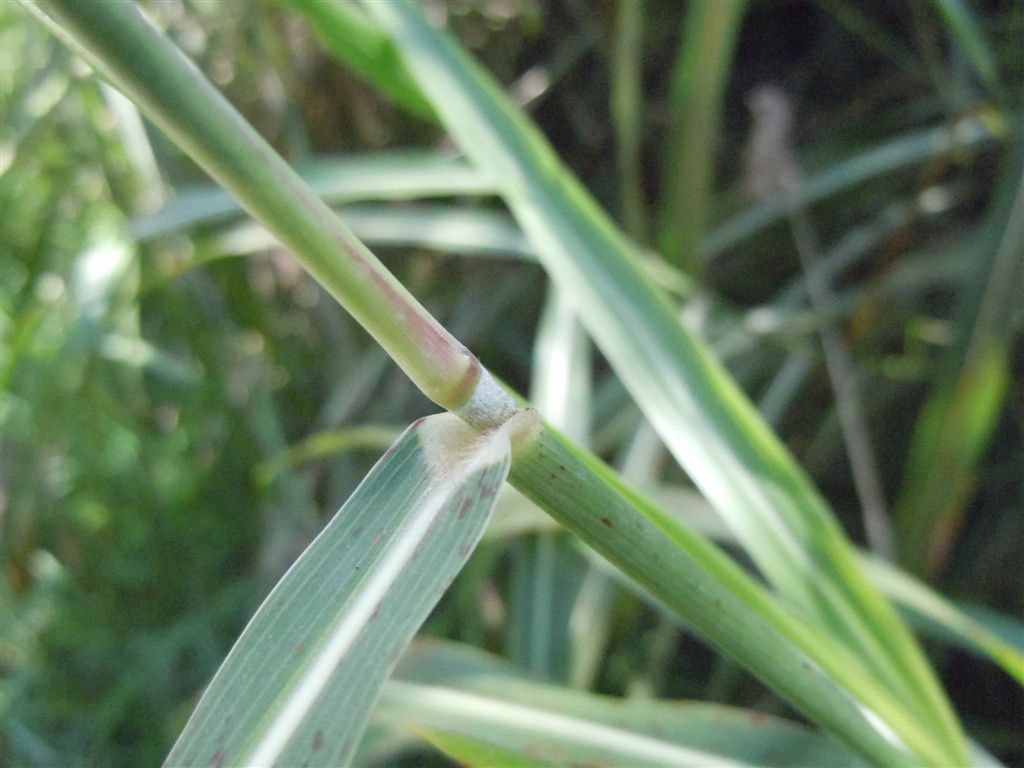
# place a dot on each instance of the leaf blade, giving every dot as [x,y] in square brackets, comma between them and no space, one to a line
[329,633]
[697,408]
[476,695]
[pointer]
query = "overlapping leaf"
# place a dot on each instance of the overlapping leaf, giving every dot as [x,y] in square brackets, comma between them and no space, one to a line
[690,400]
[299,683]
[472,706]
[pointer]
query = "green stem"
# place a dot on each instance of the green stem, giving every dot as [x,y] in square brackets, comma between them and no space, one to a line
[719,600]
[175,95]
[680,568]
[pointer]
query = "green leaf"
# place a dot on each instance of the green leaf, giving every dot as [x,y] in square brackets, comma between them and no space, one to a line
[300,682]
[958,419]
[988,635]
[441,228]
[702,415]
[949,621]
[336,180]
[321,444]
[827,682]
[151,71]
[888,157]
[547,572]
[461,692]
[968,35]
[698,89]
[628,114]
[477,752]
[351,36]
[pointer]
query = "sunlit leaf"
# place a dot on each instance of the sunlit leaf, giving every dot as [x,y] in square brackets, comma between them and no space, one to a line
[299,683]
[459,692]
[696,407]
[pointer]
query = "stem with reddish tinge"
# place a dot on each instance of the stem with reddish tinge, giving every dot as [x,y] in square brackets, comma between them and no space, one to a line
[175,95]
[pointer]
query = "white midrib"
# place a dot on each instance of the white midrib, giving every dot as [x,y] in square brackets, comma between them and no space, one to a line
[315,677]
[485,710]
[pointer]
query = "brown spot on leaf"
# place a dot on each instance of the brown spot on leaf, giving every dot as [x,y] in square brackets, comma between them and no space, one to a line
[607,521]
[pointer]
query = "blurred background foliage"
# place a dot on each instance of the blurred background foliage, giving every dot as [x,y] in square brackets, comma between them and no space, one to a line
[177,422]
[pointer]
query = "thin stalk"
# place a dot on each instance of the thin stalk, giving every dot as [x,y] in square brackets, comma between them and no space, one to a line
[175,95]
[698,89]
[627,113]
[773,171]
[968,135]
[853,425]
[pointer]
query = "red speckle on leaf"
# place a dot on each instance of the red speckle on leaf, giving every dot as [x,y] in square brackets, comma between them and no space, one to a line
[297,648]
[318,741]
[757,718]
[465,507]
[218,758]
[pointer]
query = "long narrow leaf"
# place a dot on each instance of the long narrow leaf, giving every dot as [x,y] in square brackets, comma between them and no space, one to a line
[968,35]
[698,89]
[452,690]
[888,157]
[365,49]
[987,635]
[299,683]
[959,417]
[628,114]
[828,683]
[380,176]
[445,229]
[546,569]
[949,621]
[698,410]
